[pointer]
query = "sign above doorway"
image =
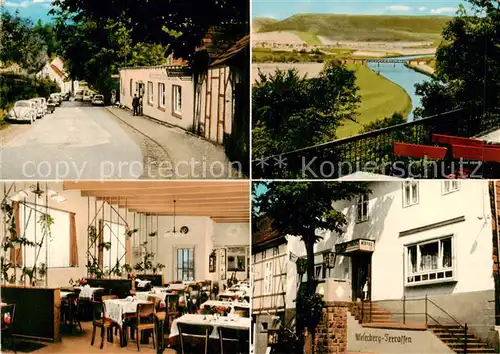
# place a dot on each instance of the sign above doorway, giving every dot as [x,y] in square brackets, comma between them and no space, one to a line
[355,246]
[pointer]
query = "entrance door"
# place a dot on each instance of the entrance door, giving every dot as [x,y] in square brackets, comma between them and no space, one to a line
[361,275]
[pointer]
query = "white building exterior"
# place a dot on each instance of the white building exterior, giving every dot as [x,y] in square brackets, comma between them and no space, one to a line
[425,238]
[167,90]
[54,71]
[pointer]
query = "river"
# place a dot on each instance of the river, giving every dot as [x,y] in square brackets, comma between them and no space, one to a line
[404,77]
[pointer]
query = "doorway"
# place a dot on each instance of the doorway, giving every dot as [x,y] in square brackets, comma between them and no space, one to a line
[361,274]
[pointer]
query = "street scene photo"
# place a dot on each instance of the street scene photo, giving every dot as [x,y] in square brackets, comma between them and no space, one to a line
[155,91]
[406,90]
[376,267]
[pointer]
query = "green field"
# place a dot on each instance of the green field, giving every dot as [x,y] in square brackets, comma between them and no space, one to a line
[359,27]
[309,38]
[380,98]
[260,22]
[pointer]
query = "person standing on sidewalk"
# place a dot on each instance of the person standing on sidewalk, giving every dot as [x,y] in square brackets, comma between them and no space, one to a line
[140,104]
[135,105]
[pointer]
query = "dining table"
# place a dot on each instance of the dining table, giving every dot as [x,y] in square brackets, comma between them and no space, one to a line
[233,322]
[87,292]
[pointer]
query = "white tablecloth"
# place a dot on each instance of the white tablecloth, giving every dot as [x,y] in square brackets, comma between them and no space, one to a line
[143,295]
[116,308]
[64,294]
[231,304]
[176,287]
[226,322]
[87,292]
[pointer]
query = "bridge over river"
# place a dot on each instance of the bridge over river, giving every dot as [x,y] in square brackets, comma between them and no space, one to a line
[385,60]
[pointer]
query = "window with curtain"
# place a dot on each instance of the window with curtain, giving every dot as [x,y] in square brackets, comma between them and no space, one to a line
[268,277]
[55,249]
[430,261]
[177,99]
[131,88]
[150,93]
[410,193]
[450,186]
[185,264]
[162,97]
[114,249]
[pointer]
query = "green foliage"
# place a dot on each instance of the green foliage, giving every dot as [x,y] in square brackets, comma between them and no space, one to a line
[180,25]
[467,65]
[301,265]
[265,56]
[14,87]
[21,43]
[309,308]
[94,269]
[291,112]
[395,119]
[361,27]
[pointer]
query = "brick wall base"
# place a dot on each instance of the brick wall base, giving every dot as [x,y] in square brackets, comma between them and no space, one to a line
[331,332]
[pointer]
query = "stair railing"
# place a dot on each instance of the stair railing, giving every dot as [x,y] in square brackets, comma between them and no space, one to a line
[462,327]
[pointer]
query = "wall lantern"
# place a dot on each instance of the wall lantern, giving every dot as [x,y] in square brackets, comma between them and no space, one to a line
[212,262]
[272,336]
[329,259]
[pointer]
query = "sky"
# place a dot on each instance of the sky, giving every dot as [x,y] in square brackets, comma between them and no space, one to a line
[281,9]
[34,9]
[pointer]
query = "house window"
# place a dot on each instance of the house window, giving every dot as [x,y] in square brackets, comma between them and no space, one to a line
[150,93]
[264,254]
[429,262]
[318,272]
[410,193]
[176,100]
[268,277]
[185,264]
[276,251]
[56,242]
[236,259]
[131,87]
[162,97]
[362,208]
[113,241]
[450,186]
[122,87]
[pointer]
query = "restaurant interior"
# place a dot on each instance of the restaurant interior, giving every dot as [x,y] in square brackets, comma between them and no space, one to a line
[117,266]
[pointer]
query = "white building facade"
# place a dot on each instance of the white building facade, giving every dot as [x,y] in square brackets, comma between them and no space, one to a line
[54,70]
[406,242]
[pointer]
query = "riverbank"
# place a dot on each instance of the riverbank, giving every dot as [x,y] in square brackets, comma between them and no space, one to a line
[380,97]
[422,69]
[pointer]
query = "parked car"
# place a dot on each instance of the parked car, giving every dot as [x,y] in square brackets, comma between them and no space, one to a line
[79,95]
[51,105]
[40,112]
[57,98]
[43,105]
[87,96]
[23,111]
[98,100]
[65,96]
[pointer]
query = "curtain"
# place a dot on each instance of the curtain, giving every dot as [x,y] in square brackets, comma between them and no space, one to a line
[73,245]
[16,255]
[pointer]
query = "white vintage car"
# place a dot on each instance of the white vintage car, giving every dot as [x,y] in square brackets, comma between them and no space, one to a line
[39,107]
[23,111]
[57,98]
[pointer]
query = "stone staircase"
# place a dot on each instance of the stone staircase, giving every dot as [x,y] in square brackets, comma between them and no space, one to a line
[378,314]
[454,337]
[450,334]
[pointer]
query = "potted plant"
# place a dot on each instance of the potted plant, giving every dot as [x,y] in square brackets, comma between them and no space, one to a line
[129,232]
[153,234]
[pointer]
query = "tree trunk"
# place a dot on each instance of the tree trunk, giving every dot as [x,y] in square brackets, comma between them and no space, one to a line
[311,289]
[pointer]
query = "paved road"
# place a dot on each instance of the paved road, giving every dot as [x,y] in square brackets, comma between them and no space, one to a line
[77,141]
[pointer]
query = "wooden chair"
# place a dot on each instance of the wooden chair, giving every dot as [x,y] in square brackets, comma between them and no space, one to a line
[7,328]
[160,316]
[100,321]
[108,297]
[145,321]
[419,151]
[73,312]
[234,340]
[195,332]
